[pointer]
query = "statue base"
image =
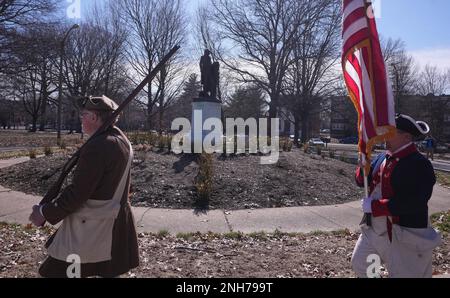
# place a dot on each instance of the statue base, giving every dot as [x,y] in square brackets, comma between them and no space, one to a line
[204,108]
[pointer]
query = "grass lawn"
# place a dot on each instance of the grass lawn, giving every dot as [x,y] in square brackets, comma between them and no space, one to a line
[443,178]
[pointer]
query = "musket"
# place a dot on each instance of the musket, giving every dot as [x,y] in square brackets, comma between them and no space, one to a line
[54,190]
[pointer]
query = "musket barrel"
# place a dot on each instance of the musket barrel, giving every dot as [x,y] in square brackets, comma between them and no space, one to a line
[54,190]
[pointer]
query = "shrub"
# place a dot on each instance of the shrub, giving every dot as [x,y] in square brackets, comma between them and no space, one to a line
[332,154]
[344,156]
[286,145]
[306,148]
[48,151]
[161,142]
[319,150]
[290,145]
[32,153]
[204,180]
[169,143]
[234,235]
[163,233]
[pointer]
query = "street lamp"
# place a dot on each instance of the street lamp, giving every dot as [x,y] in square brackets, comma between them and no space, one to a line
[397,87]
[76,26]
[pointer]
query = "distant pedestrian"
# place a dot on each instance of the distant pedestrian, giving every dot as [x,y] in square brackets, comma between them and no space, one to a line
[430,144]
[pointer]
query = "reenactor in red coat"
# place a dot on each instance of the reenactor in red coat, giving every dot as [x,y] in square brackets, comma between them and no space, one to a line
[401,183]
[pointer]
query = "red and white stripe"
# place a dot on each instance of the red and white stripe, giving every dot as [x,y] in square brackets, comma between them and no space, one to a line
[365,74]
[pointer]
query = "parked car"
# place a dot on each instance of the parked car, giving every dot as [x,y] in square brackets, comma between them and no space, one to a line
[316,142]
[292,138]
[442,148]
[421,145]
[349,140]
[380,146]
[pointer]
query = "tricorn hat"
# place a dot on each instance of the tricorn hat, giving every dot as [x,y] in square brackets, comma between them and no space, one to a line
[409,125]
[102,103]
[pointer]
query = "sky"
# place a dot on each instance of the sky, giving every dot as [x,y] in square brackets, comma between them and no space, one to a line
[424,26]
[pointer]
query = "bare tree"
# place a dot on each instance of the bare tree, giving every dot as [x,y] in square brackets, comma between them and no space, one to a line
[171,79]
[447,88]
[24,12]
[34,79]
[391,48]
[403,75]
[15,15]
[311,77]
[261,35]
[154,28]
[93,62]
[432,81]
[432,84]
[402,69]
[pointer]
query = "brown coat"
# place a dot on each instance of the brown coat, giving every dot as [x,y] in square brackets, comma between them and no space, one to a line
[99,171]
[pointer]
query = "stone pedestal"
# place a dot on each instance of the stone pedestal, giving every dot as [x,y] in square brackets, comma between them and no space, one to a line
[203,108]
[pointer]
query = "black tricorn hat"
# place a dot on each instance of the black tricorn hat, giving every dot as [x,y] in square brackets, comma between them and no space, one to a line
[409,125]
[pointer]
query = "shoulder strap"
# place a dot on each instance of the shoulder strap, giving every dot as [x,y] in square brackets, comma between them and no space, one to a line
[379,162]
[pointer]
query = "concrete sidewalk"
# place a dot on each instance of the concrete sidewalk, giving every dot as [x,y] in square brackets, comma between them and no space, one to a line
[15,207]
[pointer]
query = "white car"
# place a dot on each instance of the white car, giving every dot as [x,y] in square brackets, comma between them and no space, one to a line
[316,142]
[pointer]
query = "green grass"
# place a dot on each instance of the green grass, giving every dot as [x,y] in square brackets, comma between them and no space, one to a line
[163,234]
[234,235]
[258,235]
[441,221]
[185,236]
[443,178]
[26,153]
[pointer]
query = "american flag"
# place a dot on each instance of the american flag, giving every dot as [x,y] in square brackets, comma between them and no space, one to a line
[366,77]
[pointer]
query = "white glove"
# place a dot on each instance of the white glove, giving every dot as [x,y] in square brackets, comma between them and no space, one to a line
[36,217]
[367,205]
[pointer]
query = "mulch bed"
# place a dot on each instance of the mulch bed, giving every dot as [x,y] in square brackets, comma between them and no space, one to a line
[161,180]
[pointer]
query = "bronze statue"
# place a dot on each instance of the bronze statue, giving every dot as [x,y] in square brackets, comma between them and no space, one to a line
[209,75]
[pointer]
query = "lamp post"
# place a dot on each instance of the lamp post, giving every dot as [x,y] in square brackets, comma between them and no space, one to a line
[397,87]
[76,26]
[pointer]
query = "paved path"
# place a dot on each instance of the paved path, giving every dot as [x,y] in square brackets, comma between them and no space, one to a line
[15,208]
[4,163]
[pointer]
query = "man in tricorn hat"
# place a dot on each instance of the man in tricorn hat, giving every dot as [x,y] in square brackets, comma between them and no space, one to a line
[98,229]
[401,182]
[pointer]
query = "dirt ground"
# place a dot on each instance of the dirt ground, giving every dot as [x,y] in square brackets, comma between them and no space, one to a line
[259,255]
[239,182]
[165,180]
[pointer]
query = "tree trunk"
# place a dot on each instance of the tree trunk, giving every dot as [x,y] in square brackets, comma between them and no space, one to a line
[273,111]
[304,129]
[296,133]
[34,122]
[149,107]
[43,116]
